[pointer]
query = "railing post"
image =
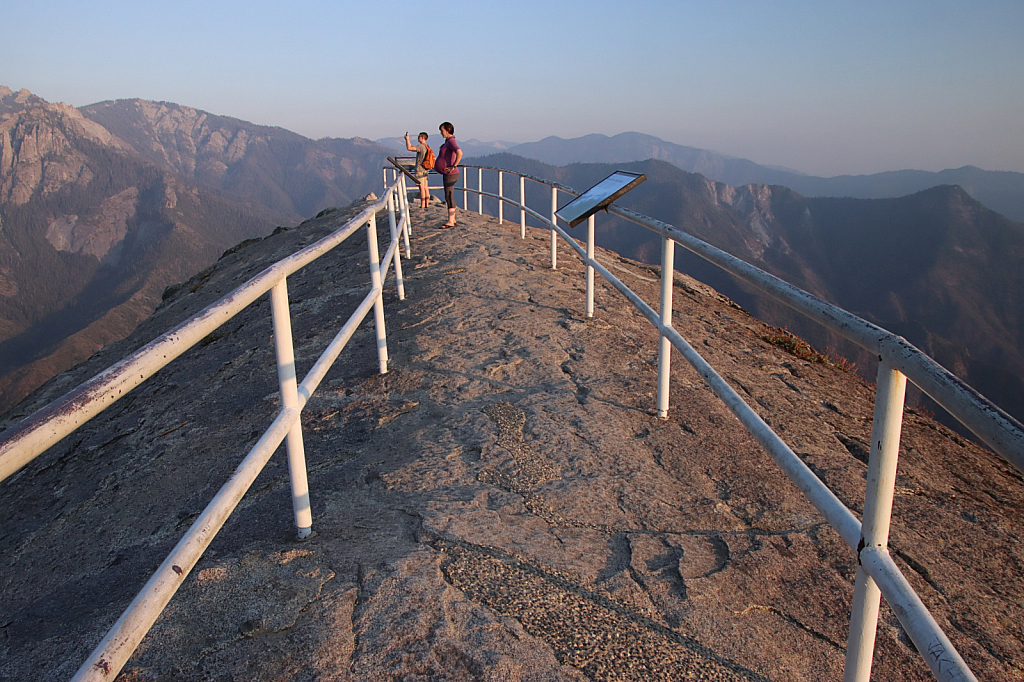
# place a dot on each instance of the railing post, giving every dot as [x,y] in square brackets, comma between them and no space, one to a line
[396,239]
[391,213]
[378,305]
[406,216]
[522,207]
[881,482]
[668,257]
[590,266]
[501,199]
[290,398]
[480,186]
[554,235]
[465,190]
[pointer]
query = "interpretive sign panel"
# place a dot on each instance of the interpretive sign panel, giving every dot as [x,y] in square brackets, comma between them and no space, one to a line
[404,167]
[599,196]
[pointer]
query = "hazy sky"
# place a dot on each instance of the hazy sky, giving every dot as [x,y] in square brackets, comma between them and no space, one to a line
[822,87]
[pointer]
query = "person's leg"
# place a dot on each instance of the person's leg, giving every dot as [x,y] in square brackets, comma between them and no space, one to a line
[449,197]
[424,194]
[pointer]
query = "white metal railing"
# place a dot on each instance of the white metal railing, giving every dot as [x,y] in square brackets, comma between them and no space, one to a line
[877,573]
[32,436]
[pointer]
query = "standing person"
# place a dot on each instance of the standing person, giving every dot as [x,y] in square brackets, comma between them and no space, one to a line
[448,158]
[420,171]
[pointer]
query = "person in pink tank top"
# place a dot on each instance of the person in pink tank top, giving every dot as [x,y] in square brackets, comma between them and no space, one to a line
[448,158]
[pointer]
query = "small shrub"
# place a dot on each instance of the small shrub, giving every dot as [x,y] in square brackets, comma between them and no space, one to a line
[793,344]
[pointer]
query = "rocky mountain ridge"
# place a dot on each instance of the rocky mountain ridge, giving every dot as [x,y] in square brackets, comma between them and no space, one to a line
[275,167]
[502,504]
[1002,191]
[105,186]
[90,236]
[37,151]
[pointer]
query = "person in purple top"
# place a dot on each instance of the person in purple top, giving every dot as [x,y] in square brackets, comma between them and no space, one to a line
[448,158]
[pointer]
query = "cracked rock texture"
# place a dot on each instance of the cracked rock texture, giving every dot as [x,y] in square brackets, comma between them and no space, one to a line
[501,505]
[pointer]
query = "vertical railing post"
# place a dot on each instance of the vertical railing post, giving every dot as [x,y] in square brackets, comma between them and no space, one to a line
[406,216]
[522,207]
[668,257]
[396,239]
[501,199]
[885,447]
[554,235]
[465,190]
[391,211]
[480,186]
[590,266]
[377,284]
[286,379]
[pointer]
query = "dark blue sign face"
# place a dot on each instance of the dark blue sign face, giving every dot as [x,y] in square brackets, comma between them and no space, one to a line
[599,196]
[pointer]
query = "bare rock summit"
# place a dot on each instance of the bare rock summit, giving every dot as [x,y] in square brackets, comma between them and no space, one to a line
[501,505]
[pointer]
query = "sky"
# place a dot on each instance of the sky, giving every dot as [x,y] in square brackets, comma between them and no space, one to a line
[826,88]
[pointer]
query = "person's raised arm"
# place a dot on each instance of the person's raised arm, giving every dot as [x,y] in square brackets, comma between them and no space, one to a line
[408,145]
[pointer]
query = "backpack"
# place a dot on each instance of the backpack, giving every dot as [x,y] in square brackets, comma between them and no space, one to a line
[428,160]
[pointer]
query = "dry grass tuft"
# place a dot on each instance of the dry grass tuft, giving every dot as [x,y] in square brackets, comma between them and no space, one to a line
[793,344]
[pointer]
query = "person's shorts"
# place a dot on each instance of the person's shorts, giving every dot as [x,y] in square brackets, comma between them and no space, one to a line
[421,176]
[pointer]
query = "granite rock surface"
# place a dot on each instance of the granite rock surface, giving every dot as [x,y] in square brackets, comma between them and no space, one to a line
[502,504]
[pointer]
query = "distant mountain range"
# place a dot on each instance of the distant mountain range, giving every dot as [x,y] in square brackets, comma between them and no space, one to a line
[279,169]
[936,267]
[1002,191]
[102,208]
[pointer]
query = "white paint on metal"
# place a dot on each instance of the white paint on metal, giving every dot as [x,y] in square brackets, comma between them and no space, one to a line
[395,239]
[522,207]
[285,351]
[880,574]
[377,284]
[590,266]
[554,237]
[34,434]
[877,575]
[881,484]
[841,518]
[319,370]
[404,194]
[113,651]
[668,254]
[935,648]
[996,428]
